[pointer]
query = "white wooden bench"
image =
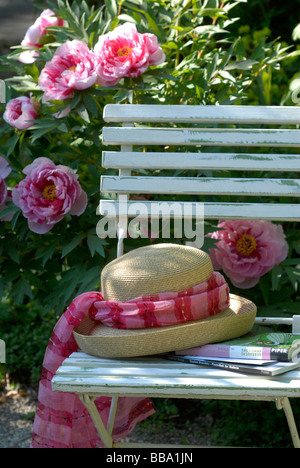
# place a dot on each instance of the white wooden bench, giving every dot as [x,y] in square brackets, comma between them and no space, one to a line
[274,199]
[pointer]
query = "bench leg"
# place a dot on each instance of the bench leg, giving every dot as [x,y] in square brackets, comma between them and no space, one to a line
[104,433]
[284,403]
[112,415]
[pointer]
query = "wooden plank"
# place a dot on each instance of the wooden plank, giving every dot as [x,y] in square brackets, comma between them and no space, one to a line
[205,137]
[267,211]
[272,115]
[133,370]
[111,385]
[206,161]
[201,185]
[154,364]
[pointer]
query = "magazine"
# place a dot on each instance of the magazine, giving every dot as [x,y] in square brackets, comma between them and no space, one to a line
[266,345]
[267,369]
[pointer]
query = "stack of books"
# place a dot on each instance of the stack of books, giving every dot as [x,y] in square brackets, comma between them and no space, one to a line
[262,353]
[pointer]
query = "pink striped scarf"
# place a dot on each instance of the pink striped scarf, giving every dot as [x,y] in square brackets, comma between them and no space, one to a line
[165,309]
[61,420]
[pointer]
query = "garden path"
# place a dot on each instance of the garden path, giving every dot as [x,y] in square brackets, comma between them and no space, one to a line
[15,18]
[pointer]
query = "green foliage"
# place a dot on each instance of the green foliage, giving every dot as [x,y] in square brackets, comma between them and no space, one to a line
[211,58]
[25,330]
[255,424]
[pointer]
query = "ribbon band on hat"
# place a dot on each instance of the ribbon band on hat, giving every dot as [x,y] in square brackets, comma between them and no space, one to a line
[201,301]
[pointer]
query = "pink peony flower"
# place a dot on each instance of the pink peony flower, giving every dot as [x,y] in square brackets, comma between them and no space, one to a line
[247,250]
[5,196]
[73,67]
[34,36]
[47,194]
[126,52]
[19,112]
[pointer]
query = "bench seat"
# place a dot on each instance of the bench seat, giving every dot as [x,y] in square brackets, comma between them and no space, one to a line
[90,376]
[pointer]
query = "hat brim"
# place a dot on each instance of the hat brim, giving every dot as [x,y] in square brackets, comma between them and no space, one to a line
[107,342]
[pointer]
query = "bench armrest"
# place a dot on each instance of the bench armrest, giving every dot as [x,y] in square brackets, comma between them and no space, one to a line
[294,322]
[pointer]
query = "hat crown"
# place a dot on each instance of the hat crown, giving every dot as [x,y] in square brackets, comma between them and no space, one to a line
[153,270]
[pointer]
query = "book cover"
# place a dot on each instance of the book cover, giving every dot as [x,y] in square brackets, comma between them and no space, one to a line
[267,370]
[254,345]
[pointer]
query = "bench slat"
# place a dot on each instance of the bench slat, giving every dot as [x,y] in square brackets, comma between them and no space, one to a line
[176,387]
[270,115]
[207,137]
[203,186]
[211,161]
[267,211]
[156,368]
[138,373]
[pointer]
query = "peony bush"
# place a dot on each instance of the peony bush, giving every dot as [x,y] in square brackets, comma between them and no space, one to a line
[74,60]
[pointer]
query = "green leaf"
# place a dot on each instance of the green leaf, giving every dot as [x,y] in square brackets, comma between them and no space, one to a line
[154,26]
[290,261]
[9,210]
[276,276]
[241,65]
[76,100]
[212,66]
[264,287]
[112,7]
[296,33]
[74,22]
[72,245]
[41,127]
[12,252]
[91,279]
[83,113]
[13,141]
[127,18]
[209,30]
[15,219]
[95,245]
[294,277]
[46,253]
[227,76]
[90,104]
[34,280]
[21,289]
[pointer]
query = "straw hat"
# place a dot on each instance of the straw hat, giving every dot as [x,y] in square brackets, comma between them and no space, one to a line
[152,270]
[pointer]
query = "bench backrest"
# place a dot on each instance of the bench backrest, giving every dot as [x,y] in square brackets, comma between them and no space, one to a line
[209,142]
